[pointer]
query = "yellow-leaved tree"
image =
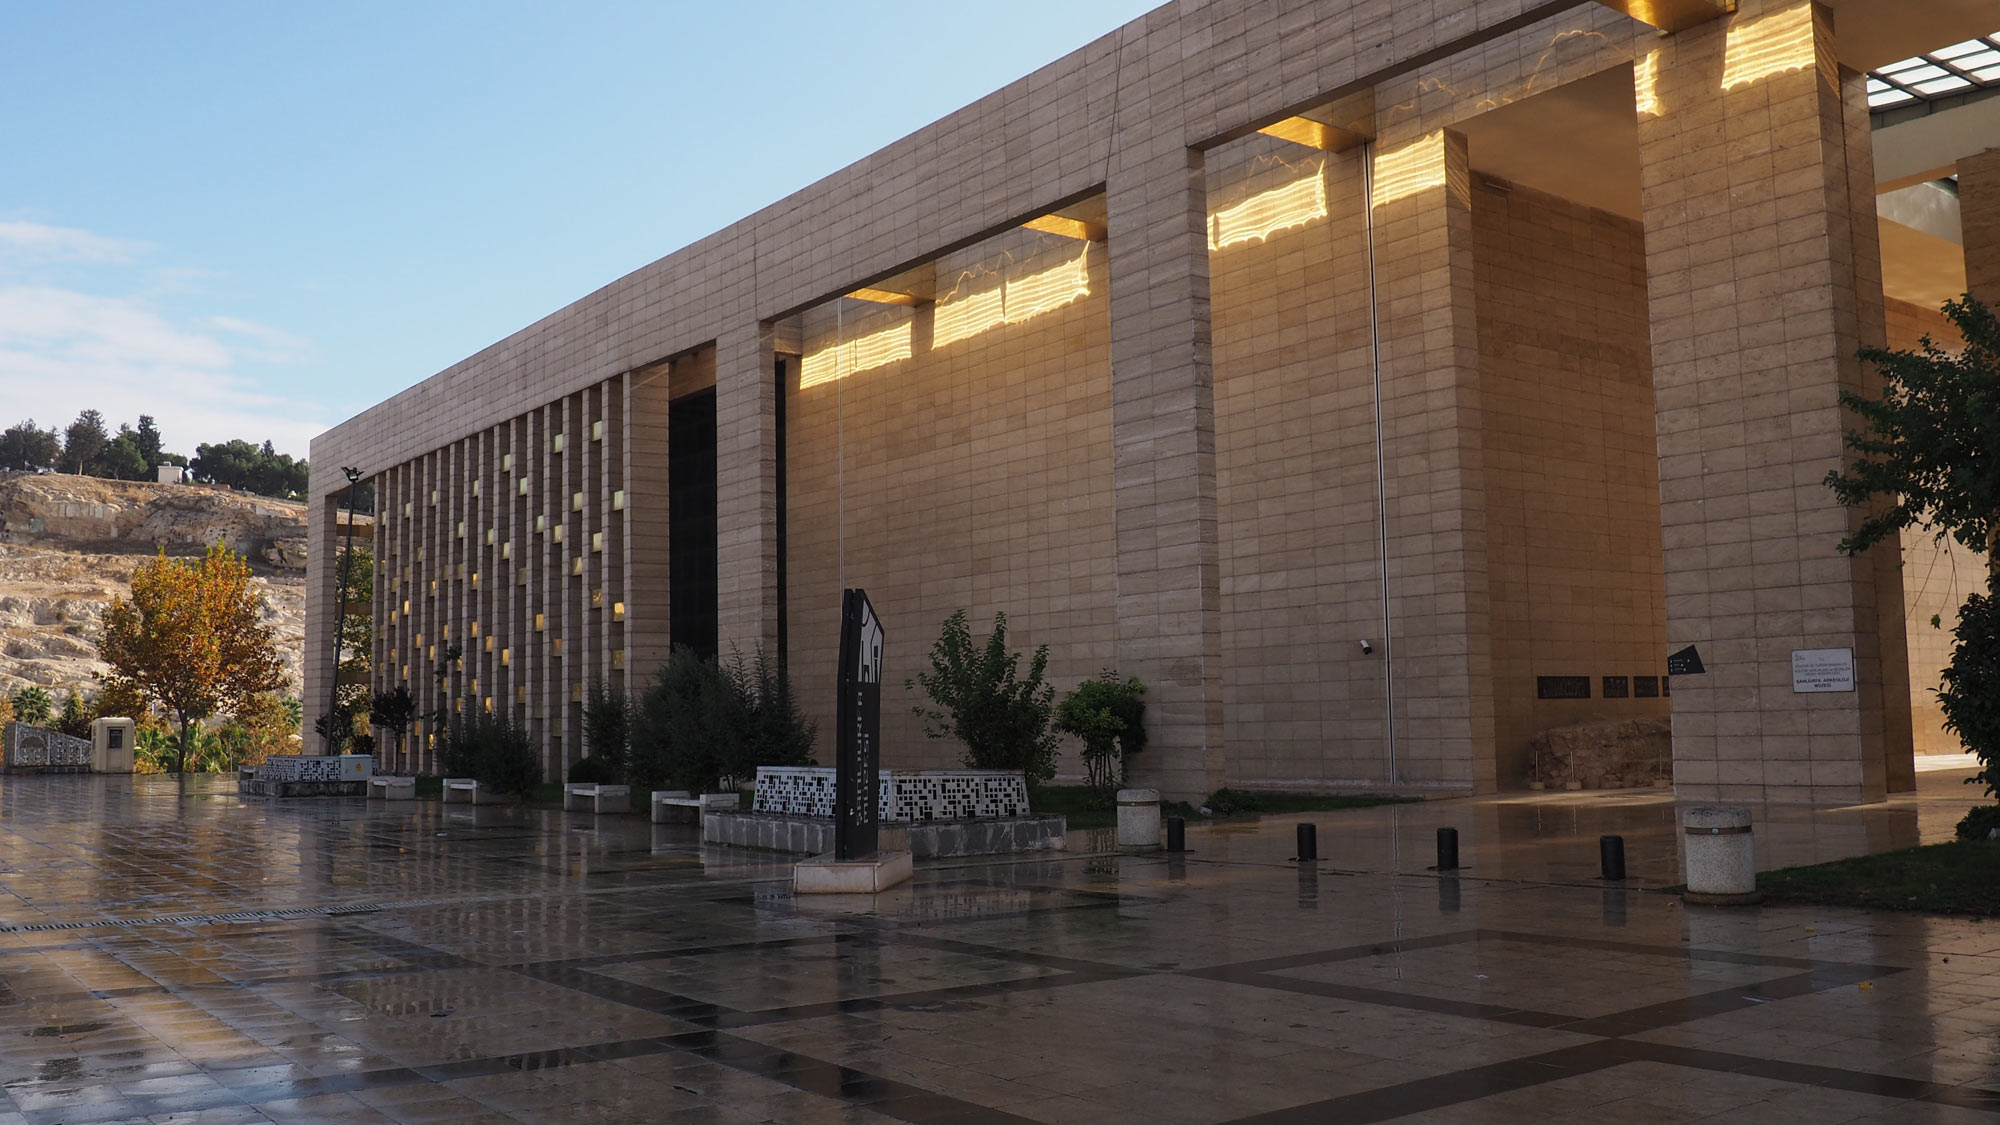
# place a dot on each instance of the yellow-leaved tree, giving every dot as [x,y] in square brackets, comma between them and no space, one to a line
[192,639]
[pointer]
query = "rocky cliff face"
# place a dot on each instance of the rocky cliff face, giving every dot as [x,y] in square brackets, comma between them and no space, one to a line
[68,545]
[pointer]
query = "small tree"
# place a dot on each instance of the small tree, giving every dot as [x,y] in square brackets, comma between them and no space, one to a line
[261,726]
[192,638]
[607,731]
[392,712]
[979,698]
[1108,714]
[75,717]
[1928,457]
[33,706]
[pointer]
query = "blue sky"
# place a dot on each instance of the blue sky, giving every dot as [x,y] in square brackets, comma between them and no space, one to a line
[254,220]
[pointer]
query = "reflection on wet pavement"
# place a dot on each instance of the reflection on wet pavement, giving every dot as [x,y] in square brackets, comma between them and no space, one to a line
[175,953]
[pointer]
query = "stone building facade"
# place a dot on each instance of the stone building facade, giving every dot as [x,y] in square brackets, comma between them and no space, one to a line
[1381,383]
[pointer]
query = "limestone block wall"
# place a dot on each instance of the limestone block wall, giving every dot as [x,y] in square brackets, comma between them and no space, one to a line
[1937,577]
[1572,476]
[954,456]
[1295,466]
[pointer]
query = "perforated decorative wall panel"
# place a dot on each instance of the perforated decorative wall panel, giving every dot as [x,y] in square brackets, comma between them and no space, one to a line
[904,795]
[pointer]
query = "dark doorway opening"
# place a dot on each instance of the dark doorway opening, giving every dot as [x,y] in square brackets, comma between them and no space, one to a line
[691,532]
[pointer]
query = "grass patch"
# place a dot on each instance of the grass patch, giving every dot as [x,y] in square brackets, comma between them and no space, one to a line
[1961,877]
[1075,802]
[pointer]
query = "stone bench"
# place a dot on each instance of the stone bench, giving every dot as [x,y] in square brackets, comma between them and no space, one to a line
[677,806]
[620,796]
[466,791]
[392,788]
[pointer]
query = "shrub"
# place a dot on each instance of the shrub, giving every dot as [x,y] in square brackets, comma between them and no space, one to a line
[1978,821]
[493,750]
[682,733]
[700,722]
[607,733]
[979,698]
[1970,693]
[33,706]
[770,728]
[75,717]
[1108,714]
[592,770]
[1232,802]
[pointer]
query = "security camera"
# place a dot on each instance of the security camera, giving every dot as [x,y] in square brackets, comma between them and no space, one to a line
[1366,648]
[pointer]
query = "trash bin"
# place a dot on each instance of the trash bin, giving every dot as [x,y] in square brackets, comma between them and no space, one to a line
[1721,856]
[1139,819]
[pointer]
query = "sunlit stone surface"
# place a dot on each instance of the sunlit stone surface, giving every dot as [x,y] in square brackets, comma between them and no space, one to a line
[214,958]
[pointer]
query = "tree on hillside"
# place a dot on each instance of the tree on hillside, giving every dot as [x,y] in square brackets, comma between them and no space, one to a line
[120,458]
[24,446]
[260,469]
[83,441]
[1928,457]
[147,436]
[191,639]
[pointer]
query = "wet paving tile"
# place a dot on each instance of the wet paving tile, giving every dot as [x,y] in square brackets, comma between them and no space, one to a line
[170,952]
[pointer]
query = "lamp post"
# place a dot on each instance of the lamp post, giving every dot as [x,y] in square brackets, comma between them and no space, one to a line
[340,622]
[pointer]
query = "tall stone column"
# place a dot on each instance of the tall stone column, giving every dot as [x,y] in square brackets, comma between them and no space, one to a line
[1433,456]
[1163,458]
[322,609]
[1979,222]
[646,562]
[1764,280]
[746,489]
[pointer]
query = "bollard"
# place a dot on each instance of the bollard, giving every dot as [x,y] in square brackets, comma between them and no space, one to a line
[1308,843]
[1447,849]
[1611,857]
[1721,856]
[1176,834]
[1138,820]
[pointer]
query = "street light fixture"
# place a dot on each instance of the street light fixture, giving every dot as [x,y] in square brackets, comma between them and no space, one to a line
[333,741]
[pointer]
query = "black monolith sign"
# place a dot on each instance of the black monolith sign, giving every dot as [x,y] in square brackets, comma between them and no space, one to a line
[858,714]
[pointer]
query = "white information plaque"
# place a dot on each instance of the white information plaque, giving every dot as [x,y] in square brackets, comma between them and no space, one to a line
[1822,669]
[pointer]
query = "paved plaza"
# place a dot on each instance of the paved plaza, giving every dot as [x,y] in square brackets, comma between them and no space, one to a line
[175,954]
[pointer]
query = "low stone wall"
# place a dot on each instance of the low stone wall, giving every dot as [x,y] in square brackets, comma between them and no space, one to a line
[32,749]
[804,835]
[901,795]
[1604,754]
[273,787]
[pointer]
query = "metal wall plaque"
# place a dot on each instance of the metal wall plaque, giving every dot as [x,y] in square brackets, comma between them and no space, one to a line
[1562,687]
[1822,669]
[1646,687]
[1686,662]
[858,716]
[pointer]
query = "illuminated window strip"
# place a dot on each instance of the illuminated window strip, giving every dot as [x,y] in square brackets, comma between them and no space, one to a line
[1015,301]
[863,353]
[1777,43]
[1416,167]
